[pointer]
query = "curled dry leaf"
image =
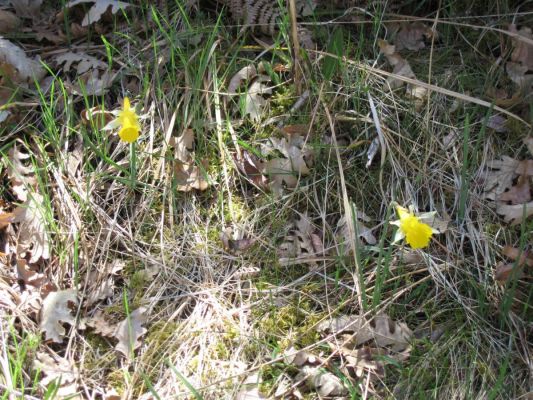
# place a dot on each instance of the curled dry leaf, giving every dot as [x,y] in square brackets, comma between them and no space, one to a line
[234,241]
[285,172]
[59,371]
[55,312]
[9,22]
[28,69]
[20,176]
[381,329]
[515,214]
[519,193]
[411,36]
[98,9]
[129,331]
[251,167]
[83,62]
[499,177]
[521,259]
[402,68]
[6,219]
[302,244]
[254,100]
[324,382]
[343,230]
[249,389]
[187,173]
[522,51]
[32,234]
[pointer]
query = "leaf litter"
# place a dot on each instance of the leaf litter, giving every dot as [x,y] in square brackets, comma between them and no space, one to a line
[288,160]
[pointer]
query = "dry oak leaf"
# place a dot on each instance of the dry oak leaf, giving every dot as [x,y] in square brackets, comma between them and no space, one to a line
[515,214]
[27,8]
[28,69]
[324,382]
[302,244]
[100,325]
[32,234]
[343,230]
[383,330]
[98,9]
[55,312]
[499,177]
[20,176]
[187,174]
[84,62]
[518,73]
[519,193]
[402,68]
[254,100]
[94,82]
[190,176]
[411,36]
[523,51]
[129,331]
[285,172]
[58,371]
[250,166]
[6,219]
[503,271]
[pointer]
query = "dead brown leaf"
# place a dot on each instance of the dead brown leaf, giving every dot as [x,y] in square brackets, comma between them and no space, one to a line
[58,371]
[28,69]
[83,62]
[402,68]
[250,166]
[499,177]
[411,36]
[55,312]
[98,8]
[129,331]
[6,219]
[302,244]
[190,176]
[21,176]
[32,233]
[515,214]
[503,271]
[325,383]
[522,52]
[234,242]
[528,141]
[27,8]
[9,22]
[101,325]
[187,173]
[254,92]
[381,329]
[523,257]
[519,193]
[285,172]
[344,236]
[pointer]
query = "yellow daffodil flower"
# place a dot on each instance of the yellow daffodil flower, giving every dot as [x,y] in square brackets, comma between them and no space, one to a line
[416,233]
[128,121]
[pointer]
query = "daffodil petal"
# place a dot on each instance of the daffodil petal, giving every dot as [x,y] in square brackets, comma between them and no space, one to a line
[111,125]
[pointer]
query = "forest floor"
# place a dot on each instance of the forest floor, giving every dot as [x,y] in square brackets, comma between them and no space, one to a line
[356,224]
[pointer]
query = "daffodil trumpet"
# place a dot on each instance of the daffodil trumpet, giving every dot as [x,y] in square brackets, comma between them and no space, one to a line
[128,121]
[413,227]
